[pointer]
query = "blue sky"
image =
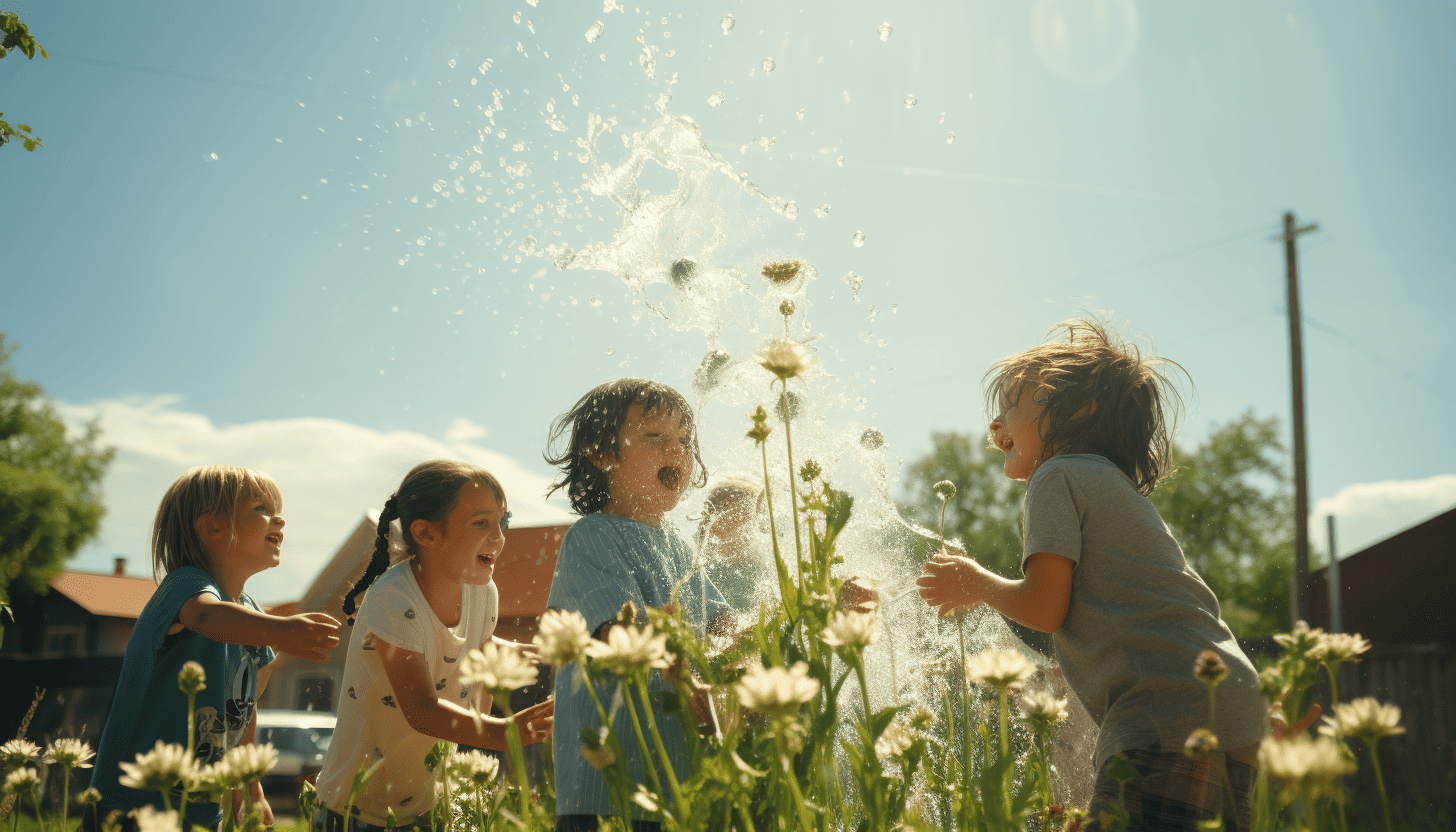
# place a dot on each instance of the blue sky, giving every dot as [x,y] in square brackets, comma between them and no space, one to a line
[1131,159]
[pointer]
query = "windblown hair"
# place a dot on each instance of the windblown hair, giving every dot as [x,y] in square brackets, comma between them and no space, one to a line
[594,426]
[429,492]
[1099,396]
[208,491]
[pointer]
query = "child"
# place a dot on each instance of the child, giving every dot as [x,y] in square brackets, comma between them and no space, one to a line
[402,691]
[631,455]
[217,526]
[726,540]
[1085,422]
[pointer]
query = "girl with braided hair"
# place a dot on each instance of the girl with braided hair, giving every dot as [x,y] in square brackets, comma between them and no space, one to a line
[416,619]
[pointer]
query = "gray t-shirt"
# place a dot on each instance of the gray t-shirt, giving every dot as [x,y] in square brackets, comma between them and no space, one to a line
[1139,614]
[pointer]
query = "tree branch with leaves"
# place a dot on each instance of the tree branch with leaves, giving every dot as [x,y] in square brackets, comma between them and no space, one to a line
[17,37]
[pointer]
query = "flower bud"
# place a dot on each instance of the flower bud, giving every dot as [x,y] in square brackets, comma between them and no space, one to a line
[786,308]
[781,272]
[1209,668]
[810,471]
[945,489]
[192,679]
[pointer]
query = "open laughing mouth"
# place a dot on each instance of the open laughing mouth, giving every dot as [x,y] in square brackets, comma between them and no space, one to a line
[276,538]
[669,477]
[486,560]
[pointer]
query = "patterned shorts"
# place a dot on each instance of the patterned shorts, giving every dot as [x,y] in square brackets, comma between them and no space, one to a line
[1175,792]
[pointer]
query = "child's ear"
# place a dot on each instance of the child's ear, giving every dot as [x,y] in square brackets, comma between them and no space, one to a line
[423,531]
[211,529]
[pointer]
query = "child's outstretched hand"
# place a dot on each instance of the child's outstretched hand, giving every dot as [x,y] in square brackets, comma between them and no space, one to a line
[949,583]
[309,635]
[535,722]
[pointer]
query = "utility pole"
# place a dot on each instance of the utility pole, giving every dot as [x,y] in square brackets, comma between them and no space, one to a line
[1298,591]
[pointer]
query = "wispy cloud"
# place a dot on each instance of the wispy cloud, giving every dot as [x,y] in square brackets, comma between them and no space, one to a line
[330,472]
[1368,512]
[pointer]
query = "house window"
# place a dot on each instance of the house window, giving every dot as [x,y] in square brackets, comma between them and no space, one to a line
[315,693]
[66,640]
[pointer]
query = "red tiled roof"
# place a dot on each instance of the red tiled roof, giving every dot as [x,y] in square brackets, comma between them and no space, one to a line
[117,596]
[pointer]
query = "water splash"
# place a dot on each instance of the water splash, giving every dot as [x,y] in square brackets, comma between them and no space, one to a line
[909,101]
[768,65]
[822,211]
[716,98]
[950,139]
[859,239]
[885,30]
[727,23]
[595,31]
[855,281]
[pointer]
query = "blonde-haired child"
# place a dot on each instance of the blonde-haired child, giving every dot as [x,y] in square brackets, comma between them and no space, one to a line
[1086,420]
[217,526]
[402,687]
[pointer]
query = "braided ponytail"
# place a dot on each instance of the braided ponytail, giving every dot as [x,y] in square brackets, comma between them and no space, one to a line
[380,561]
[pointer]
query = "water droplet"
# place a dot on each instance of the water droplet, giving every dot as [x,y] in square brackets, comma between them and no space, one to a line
[595,31]
[727,23]
[839,161]
[909,101]
[800,114]
[855,281]
[768,64]
[885,30]
[611,350]
[872,439]
[822,211]
[716,98]
[710,372]
[873,312]
[452,63]
[516,18]
[950,139]
[214,156]
[858,238]
[595,300]
[880,343]
[791,210]
[682,271]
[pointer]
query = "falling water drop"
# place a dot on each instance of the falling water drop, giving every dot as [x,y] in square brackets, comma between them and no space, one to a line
[727,23]
[791,210]
[872,439]
[885,30]
[950,139]
[595,31]
[716,98]
[858,239]
[800,114]
[611,350]
[822,211]
[768,64]
[595,300]
[839,161]
[909,101]
[873,312]
[855,281]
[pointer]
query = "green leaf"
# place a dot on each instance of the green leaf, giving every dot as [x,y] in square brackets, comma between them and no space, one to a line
[24,128]
[30,144]
[880,721]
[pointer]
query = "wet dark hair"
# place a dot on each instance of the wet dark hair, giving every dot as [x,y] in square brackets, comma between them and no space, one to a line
[1099,395]
[429,492]
[594,426]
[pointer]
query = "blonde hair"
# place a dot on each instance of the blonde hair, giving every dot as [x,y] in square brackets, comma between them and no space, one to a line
[208,491]
[1099,395]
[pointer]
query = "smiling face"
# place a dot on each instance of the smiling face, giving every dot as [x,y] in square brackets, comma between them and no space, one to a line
[655,465]
[1016,430]
[469,541]
[257,533]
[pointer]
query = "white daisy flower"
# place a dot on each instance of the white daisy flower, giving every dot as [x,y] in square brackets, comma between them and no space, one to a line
[1003,670]
[629,650]
[152,819]
[852,630]
[562,637]
[1365,718]
[16,753]
[784,358]
[166,765]
[473,769]
[21,781]
[776,691]
[1042,709]
[498,668]
[71,753]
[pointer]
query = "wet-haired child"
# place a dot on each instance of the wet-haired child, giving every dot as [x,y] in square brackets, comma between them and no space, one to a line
[402,691]
[217,526]
[726,541]
[1086,419]
[631,452]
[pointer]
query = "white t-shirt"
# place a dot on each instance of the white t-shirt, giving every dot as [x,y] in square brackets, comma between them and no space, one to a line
[371,726]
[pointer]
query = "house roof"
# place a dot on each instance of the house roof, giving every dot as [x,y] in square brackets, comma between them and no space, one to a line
[1397,590]
[118,596]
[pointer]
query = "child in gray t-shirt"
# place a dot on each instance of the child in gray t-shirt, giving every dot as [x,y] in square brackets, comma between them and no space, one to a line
[1085,421]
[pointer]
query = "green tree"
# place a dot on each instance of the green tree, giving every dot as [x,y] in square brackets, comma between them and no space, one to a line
[50,500]
[17,36]
[1227,505]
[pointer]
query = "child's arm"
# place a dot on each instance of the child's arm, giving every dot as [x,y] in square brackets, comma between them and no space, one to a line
[309,636]
[414,692]
[1039,600]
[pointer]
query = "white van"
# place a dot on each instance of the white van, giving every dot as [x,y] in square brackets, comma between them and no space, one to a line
[301,738]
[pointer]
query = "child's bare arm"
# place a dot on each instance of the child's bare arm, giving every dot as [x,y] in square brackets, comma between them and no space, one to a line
[1039,600]
[414,692]
[309,636]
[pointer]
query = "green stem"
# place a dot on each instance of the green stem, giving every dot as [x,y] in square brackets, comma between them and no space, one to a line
[518,756]
[65,798]
[864,694]
[1043,740]
[39,818]
[1333,669]
[801,806]
[793,493]
[647,767]
[965,709]
[1380,785]
[641,685]
[191,747]
[624,802]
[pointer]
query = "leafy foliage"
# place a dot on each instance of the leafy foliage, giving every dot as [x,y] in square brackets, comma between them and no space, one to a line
[50,501]
[17,36]
[1227,505]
